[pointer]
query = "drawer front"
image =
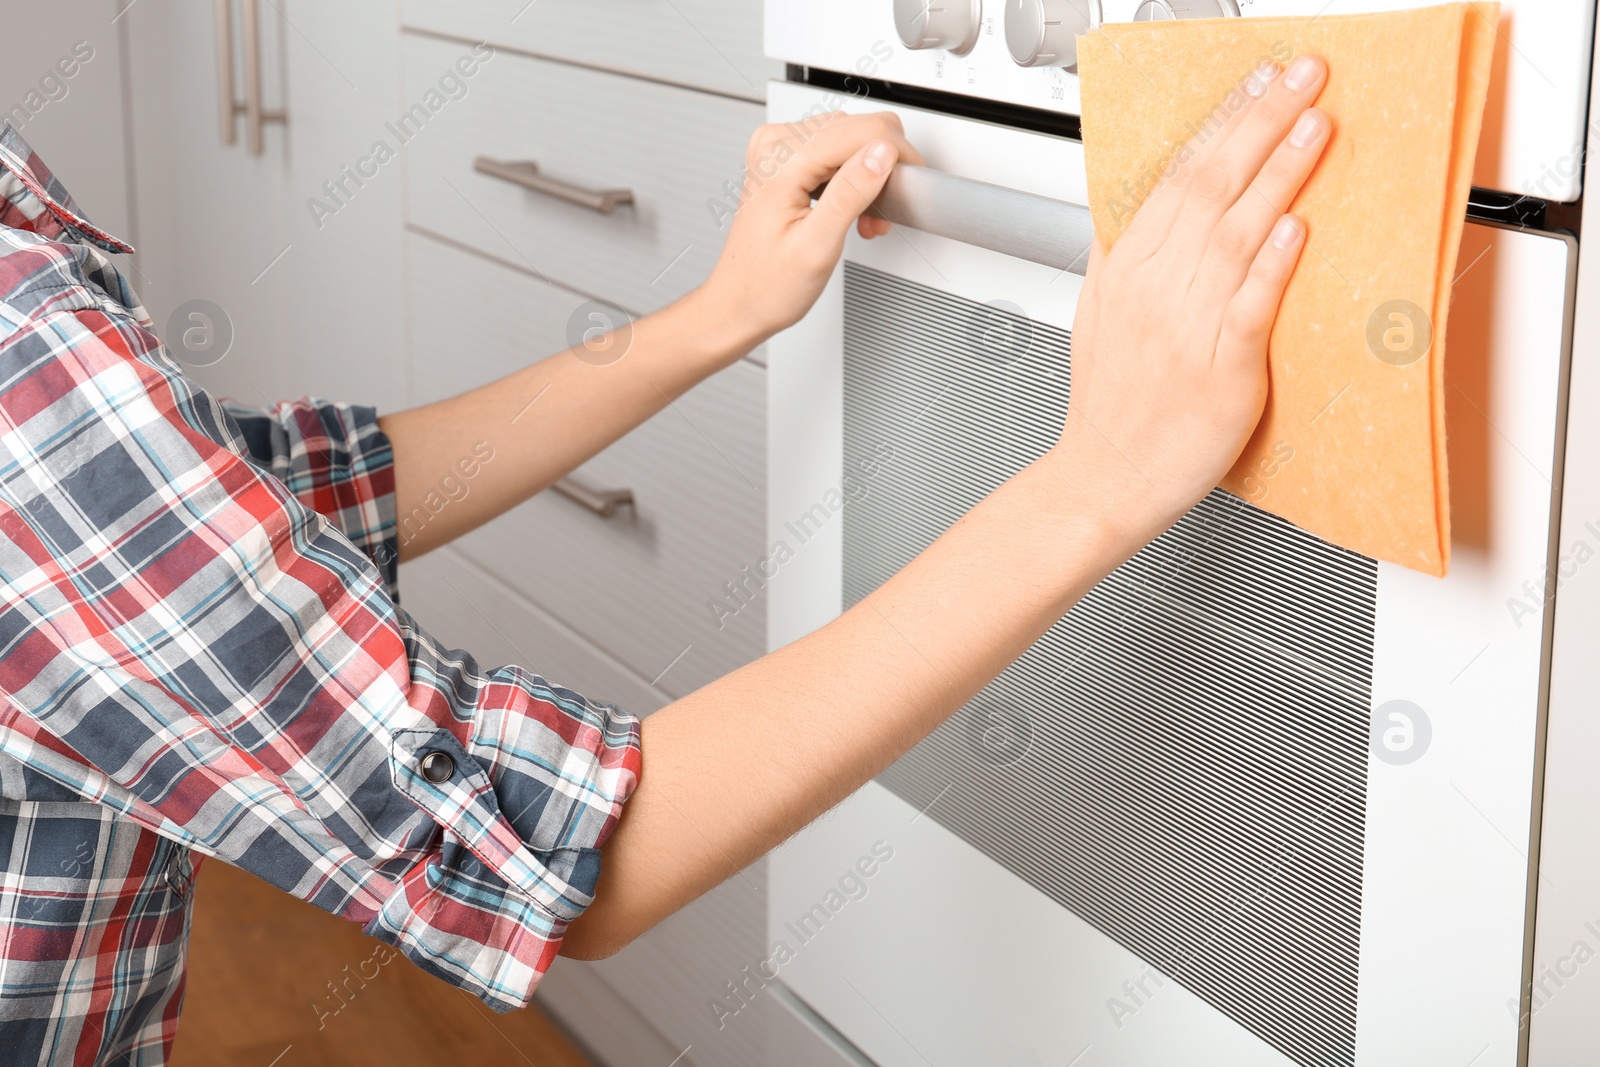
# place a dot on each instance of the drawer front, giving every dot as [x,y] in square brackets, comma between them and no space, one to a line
[679,152]
[711,44]
[650,587]
[465,607]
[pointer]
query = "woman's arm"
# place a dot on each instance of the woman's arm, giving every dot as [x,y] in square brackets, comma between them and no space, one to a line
[548,419]
[1166,391]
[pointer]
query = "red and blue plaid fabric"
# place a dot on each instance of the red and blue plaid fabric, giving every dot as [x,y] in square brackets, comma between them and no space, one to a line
[202,653]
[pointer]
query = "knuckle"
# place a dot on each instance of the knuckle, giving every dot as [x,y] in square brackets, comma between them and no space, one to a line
[1235,108]
[1278,108]
[1212,181]
[761,142]
[1231,240]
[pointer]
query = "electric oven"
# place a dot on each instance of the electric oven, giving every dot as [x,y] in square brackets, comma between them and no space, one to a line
[1258,799]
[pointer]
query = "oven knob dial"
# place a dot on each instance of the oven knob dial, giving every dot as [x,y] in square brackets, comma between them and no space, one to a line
[1163,10]
[951,24]
[1044,33]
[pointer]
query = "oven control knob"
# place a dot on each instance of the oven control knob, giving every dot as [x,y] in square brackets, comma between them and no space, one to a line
[1163,10]
[951,24]
[1044,33]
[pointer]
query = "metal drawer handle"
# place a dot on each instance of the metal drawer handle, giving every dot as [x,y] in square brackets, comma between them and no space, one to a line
[228,111]
[1055,233]
[256,114]
[603,502]
[525,172]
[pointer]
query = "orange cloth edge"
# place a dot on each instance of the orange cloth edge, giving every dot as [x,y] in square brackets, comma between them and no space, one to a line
[1479,28]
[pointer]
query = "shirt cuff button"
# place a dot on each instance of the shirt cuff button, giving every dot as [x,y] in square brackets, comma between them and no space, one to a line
[437,767]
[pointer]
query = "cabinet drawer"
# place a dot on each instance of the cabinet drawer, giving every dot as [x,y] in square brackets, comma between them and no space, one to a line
[465,607]
[649,586]
[679,152]
[713,44]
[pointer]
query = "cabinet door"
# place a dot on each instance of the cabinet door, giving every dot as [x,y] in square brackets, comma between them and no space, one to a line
[311,295]
[61,89]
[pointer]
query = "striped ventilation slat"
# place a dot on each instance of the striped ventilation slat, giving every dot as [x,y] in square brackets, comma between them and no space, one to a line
[1181,761]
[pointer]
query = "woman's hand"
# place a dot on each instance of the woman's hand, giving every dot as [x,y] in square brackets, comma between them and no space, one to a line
[782,247]
[1169,347]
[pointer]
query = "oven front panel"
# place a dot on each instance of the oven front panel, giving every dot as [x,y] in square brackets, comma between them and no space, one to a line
[1534,128]
[1085,919]
[1182,760]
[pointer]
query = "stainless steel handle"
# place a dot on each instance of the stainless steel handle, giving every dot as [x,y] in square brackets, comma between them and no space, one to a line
[603,502]
[228,110]
[525,172]
[1055,233]
[255,112]
[256,115]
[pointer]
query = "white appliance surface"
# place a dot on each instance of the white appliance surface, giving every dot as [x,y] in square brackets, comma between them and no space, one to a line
[950,959]
[1534,128]
[1564,1025]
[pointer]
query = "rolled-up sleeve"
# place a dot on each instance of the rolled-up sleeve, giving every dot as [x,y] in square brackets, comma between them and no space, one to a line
[199,629]
[336,461]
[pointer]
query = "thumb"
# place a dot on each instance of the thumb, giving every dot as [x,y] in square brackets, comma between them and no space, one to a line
[851,191]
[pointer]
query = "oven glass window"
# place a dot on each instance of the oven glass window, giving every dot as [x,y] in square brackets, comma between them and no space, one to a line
[1182,760]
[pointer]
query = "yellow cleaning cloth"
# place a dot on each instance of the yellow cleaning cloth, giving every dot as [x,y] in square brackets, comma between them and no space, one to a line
[1352,444]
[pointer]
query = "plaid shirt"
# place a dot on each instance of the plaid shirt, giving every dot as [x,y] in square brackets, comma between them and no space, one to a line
[201,653]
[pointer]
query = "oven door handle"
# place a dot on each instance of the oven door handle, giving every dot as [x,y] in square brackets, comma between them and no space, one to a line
[1055,233]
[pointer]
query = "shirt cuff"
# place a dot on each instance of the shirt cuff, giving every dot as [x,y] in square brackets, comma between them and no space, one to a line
[519,815]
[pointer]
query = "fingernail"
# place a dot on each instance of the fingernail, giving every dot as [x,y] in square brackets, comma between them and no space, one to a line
[1260,78]
[1302,72]
[1286,233]
[879,157]
[1307,129]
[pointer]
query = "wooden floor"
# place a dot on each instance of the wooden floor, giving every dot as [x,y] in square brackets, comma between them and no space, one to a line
[260,965]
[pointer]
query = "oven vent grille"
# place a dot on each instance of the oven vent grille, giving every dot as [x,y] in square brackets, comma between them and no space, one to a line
[1181,761]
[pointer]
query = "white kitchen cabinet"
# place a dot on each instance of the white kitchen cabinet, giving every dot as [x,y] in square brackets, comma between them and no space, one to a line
[496,274]
[314,299]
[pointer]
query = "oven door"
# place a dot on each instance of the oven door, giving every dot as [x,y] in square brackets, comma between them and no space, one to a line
[1256,800]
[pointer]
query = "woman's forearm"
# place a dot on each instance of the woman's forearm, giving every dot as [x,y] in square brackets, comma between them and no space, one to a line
[462,461]
[794,733]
